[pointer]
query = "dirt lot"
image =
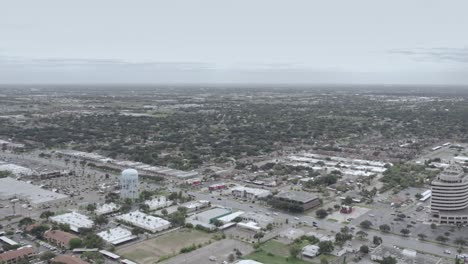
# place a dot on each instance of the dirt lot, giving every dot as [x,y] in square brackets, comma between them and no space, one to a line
[150,251]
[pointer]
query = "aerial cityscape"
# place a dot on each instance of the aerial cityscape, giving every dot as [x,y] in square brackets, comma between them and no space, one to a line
[244,132]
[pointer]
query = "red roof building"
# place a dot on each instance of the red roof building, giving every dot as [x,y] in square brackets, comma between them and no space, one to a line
[59,238]
[15,256]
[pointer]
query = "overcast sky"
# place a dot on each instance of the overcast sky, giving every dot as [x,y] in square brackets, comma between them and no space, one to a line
[258,41]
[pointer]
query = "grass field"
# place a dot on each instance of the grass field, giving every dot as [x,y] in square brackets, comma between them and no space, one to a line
[274,252]
[150,251]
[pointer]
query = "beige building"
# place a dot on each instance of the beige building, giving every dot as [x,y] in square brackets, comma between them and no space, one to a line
[449,202]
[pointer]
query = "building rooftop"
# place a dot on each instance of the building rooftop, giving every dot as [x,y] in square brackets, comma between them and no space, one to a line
[14,254]
[74,219]
[107,208]
[143,220]
[117,235]
[10,188]
[254,191]
[59,235]
[297,196]
[159,202]
[230,217]
[17,170]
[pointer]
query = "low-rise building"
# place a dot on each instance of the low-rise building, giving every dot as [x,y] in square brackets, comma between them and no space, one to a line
[74,220]
[230,217]
[296,201]
[144,221]
[249,193]
[250,225]
[35,195]
[217,186]
[107,208]
[18,255]
[310,251]
[207,218]
[68,259]
[59,238]
[116,236]
[159,202]
[193,206]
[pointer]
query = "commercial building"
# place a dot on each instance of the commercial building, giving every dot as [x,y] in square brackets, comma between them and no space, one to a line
[310,251]
[108,208]
[207,217]
[16,170]
[17,256]
[74,220]
[68,259]
[217,186]
[59,238]
[230,217]
[116,236]
[449,201]
[159,202]
[249,193]
[301,201]
[129,184]
[193,206]
[144,221]
[35,195]
[250,225]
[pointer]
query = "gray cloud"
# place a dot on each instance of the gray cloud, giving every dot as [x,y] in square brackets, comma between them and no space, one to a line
[459,55]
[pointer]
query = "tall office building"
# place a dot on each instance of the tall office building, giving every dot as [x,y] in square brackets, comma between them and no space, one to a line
[449,202]
[129,184]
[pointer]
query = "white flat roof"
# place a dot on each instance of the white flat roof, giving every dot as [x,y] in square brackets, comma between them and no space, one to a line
[8,241]
[107,208]
[143,220]
[74,219]
[109,254]
[117,235]
[10,188]
[230,217]
[254,191]
[159,202]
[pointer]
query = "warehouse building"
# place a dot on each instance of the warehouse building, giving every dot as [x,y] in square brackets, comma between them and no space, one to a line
[207,218]
[74,220]
[35,195]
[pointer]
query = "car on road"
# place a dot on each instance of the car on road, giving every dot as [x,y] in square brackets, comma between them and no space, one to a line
[447,252]
[212,258]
